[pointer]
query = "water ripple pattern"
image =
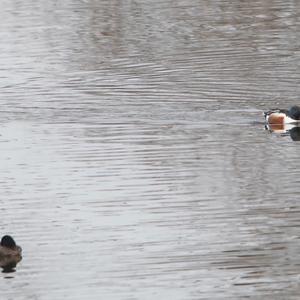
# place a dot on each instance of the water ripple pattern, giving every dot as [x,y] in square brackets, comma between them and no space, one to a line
[134,164]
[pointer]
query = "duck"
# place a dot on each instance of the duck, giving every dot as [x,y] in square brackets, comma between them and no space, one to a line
[9,248]
[283,116]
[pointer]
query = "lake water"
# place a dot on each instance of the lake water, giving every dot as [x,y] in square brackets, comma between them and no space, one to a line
[134,159]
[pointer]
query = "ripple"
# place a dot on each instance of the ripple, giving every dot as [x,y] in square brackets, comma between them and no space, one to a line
[134,161]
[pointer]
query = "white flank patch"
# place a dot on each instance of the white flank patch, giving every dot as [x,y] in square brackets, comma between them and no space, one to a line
[289,120]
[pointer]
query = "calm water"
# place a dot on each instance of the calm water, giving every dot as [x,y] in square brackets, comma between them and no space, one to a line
[134,164]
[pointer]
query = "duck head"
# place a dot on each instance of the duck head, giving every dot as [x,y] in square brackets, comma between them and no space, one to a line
[8,242]
[294,112]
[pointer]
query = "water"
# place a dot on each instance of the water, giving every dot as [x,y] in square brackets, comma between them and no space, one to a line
[134,164]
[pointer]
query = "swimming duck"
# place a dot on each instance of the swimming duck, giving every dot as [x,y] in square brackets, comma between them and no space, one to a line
[283,116]
[9,248]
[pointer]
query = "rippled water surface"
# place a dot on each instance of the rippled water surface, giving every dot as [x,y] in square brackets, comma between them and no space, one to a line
[134,161]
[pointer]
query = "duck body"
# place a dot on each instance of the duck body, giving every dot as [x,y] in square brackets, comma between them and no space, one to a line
[10,252]
[283,116]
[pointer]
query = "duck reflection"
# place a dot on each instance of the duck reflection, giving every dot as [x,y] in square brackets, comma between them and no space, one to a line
[285,129]
[8,264]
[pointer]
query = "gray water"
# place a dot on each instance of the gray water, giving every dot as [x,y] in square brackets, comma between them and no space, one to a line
[134,161]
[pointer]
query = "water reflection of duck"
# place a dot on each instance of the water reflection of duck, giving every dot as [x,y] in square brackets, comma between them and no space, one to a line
[283,116]
[10,253]
[295,133]
[285,129]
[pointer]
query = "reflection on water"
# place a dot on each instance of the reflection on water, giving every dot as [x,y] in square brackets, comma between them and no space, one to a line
[133,163]
[285,129]
[8,264]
